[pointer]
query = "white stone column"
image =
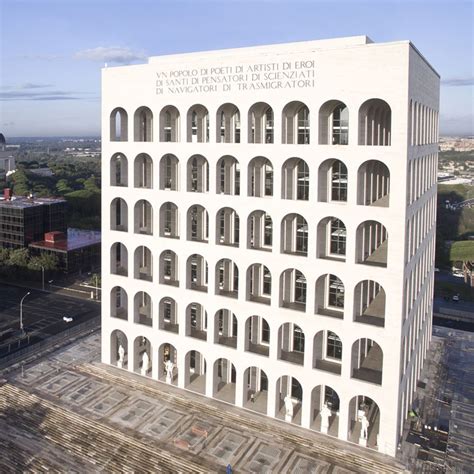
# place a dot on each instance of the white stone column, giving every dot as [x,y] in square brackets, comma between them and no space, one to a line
[181,362]
[271,398]
[155,357]
[239,388]
[343,417]
[209,379]
[306,408]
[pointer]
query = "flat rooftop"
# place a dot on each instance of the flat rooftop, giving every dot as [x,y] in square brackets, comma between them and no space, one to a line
[282,48]
[20,202]
[76,239]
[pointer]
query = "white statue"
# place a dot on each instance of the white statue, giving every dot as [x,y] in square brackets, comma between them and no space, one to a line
[169,366]
[145,363]
[364,427]
[121,352]
[288,408]
[325,414]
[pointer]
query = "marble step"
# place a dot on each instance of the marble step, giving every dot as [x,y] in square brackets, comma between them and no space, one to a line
[230,418]
[91,440]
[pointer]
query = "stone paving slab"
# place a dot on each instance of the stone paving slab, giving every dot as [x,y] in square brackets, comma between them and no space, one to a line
[162,426]
[108,402]
[134,413]
[301,464]
[264,458]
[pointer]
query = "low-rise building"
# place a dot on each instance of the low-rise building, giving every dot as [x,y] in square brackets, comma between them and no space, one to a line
[26,219]
[77,250]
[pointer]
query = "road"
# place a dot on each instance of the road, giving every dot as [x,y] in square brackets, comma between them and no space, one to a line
[43,314]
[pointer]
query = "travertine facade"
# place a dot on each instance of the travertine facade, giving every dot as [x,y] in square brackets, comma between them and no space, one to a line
[269,226]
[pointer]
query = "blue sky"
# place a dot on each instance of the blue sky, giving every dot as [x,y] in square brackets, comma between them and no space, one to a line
[52,50]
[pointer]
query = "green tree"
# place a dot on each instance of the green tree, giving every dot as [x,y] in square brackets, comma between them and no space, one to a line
[21,183]
[4,257]
[92,184]
[49,261]
[19,258]
[62,186]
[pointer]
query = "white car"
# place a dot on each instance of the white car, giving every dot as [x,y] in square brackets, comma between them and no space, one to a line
[456,298]
[67,320]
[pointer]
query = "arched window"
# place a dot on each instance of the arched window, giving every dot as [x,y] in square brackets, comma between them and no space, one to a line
[143,264]
[330,296]
[372,244]
[367,361]
[260,177]
[198,224]
[198,174]
[293,290]
[228,176]
[119,215]
[327,353]
[118,303]
[332,236]
[169,173]
[198,124]
[373,183]
[169,220]
[119,259]
[332,181]
[119,170]
[227,278]
[228,124]
[294,235]
[143,311]
[259,231]
[197,273]
[295,179]
[227,227]
[295,123]
[334,123]
[169,124]
[118,125]
[257,335]
[143,171]
[291,343]
[375,123]
[143,217]
[369,303]
[260,119]
[143,125]
[259,284]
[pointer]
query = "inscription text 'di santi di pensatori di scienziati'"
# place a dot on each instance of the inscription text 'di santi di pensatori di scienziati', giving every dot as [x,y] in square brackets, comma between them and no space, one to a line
[248,77]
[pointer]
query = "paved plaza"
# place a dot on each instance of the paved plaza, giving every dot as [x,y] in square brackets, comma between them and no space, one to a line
[68,412]
[442,438]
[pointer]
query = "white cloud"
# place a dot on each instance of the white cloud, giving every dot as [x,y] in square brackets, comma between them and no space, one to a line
[111,54]
[458,81]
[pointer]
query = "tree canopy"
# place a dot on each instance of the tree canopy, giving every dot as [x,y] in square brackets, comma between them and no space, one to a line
[462,251]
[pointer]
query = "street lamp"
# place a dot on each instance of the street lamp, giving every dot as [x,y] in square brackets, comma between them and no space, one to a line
[21,312]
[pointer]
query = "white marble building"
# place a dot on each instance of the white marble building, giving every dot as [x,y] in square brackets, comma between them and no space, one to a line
[269,227]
